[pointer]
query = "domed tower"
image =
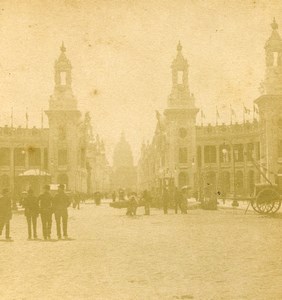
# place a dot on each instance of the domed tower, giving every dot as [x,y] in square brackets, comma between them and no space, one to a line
[64,121]
[124,172]
[270,105]
[180,125]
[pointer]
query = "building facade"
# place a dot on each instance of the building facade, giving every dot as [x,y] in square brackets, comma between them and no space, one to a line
[228,157]
[61,153]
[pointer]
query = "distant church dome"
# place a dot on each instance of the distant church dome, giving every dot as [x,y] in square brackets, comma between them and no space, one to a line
[122,154]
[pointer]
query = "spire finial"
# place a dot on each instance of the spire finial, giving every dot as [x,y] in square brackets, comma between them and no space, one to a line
[179,47]
[63,48]
[274,24]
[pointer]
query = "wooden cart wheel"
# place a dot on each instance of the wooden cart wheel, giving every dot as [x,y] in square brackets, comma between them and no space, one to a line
[267,201]
[276,206]
[254,205]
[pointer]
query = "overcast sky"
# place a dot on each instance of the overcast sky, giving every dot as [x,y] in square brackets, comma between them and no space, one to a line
[121,53]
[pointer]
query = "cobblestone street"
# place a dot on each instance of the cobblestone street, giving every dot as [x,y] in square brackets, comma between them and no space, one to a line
[220,254]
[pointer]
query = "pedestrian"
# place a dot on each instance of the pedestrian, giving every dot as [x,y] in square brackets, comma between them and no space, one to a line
[133,204]
[31,212]
[165,200]
[5,213]
[183,201]
[77,200]
[114,196]
[147,202]
[60,205]
[177,200]
[46,212]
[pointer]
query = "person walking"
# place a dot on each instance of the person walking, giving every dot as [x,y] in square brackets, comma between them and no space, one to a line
[147,202]
[177,200]
[31,212]
[165,200]
[60,205]
[45,208]
[5,213]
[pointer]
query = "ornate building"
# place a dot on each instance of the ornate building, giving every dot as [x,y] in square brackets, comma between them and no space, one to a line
[124,172]
[59,154]
[229,157]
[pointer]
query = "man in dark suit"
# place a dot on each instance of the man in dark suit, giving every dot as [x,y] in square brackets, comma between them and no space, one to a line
[5,213]
[30,204]
[45,207]
[60,205]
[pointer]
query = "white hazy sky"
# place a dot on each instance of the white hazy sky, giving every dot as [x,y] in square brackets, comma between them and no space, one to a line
[123,50]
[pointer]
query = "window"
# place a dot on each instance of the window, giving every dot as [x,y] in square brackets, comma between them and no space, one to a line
[19,156]
[238,153]
[199,156]
[224,153]
[210,154]
[183,155]
[63,78]
[45,158]
[82,157]
[179,77]
[4,156]
[183,132]
[258,151]
[62,157]
[34,156]
[250,151]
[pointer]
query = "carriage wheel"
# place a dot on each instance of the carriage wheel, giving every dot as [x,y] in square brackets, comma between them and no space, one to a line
[276,206]
[254,205]
[267,201]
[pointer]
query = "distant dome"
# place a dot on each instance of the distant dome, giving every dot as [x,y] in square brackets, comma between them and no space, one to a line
[122,154]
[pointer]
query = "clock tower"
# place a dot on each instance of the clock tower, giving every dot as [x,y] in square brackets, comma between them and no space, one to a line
[64,119]
[181,125]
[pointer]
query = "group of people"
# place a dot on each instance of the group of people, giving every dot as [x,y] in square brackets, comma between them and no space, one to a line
[179,197]
[45,205]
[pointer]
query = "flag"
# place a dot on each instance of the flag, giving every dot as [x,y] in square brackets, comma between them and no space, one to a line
[217,116]
[256,109]
[232,113]
[246,110]
[158,115]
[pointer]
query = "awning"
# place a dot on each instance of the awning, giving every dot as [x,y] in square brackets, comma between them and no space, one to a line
[34,172]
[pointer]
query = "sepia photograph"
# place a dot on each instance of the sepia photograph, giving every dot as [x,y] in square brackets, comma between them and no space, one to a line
[140,149]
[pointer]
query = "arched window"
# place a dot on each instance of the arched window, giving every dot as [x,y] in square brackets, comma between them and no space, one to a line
[251,182]
[239,180]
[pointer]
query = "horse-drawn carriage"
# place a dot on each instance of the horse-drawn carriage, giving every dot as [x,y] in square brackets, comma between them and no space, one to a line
[268,198]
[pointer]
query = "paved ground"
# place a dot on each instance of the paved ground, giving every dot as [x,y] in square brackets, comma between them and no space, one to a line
[220,254]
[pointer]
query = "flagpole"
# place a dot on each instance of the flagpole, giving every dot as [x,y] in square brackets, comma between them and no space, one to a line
[41,118]
[26,118]
[244,116]
[230,115]
[12,117]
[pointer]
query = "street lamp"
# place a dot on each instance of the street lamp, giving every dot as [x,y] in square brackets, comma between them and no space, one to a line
[225,153]
[23,152]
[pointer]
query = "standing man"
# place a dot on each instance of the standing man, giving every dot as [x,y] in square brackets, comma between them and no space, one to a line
[45,207]
[31,212]
[5,213]
[177,200]
[165,200]
[147,202]
[60,205]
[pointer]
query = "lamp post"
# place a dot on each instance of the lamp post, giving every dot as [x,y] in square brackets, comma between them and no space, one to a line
[225,152]
[14,202]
